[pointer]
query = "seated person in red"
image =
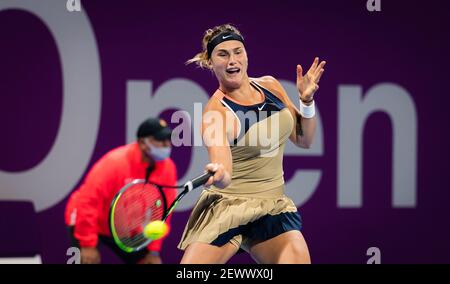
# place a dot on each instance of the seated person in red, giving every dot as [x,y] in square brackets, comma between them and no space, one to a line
[88,207]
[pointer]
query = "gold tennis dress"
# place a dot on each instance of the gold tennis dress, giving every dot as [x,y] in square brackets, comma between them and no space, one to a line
[253,207]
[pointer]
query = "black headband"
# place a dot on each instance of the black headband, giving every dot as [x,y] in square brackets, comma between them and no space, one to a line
[221,38]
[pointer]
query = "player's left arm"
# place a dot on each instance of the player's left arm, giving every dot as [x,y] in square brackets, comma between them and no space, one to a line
[304,128]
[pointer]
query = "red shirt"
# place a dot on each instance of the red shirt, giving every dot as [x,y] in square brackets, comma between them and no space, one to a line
[88,207]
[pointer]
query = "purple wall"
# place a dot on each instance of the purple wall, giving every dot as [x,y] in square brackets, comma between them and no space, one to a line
[405,44]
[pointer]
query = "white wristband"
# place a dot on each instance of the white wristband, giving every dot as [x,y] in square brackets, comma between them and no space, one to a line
[307,111]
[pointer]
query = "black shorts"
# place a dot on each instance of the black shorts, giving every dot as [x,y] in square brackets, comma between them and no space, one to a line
[265,228]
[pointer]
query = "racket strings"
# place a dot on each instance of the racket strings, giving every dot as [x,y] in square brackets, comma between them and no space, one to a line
[137,207]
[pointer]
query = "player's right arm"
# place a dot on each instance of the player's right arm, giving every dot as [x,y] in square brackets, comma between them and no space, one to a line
[216,131]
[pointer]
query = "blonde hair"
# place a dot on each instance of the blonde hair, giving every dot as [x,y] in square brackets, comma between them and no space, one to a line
[201,58]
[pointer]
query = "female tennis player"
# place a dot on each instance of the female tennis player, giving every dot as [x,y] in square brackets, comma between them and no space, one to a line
[245,206]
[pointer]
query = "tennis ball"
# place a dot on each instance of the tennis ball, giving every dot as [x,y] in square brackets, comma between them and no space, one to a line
[155,230]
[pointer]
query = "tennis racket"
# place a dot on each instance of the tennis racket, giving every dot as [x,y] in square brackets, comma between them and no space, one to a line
[139,203]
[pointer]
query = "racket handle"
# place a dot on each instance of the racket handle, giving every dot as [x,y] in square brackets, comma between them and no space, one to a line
[201,180]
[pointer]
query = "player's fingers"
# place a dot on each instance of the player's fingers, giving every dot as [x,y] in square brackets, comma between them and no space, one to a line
[319,75]
[219,173]
[299,72]
[211,167]
[314,65]
[209,182]
[320,67]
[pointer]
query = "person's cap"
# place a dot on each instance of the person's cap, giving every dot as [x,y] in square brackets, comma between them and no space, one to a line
[155,127]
